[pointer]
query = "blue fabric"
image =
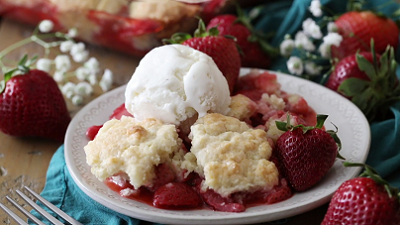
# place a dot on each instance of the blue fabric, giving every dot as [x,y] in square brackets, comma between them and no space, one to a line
[61,190]
[284,17]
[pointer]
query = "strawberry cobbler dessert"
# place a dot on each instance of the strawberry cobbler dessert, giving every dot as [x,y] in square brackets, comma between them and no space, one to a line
[182,141]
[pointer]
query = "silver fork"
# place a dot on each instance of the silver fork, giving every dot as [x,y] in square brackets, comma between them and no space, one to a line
[45,214]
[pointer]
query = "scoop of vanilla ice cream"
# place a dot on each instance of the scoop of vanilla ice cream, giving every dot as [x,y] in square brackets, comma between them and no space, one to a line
[174,82]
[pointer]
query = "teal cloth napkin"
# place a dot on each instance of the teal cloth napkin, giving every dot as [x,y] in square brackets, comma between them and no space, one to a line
[284,17]
[61,190]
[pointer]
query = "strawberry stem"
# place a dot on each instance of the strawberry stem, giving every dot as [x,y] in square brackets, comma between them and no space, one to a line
[23,67]
[376,95]
[286,126]
[201,31]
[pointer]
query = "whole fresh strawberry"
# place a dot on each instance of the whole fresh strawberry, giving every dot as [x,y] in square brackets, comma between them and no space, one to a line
[31,105]
[306,153]
[368,80]
[255,51]
[367,200]
[359,27]
[176,195]
[221,49]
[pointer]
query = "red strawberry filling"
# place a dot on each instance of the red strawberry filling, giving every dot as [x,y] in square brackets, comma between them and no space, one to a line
[169,193]
[172,190]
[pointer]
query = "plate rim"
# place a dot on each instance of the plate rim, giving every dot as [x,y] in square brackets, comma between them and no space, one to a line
[223,218]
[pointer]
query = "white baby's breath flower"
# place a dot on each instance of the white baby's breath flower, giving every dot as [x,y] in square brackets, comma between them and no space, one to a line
[69,94]
[333,39]
[68,87]
[295,65]
[77,47]
[254,12]
[332,28]
[301,41]
[286,47]
[92,78]
[315,8]
[312,68]
[46,26]
[83,89]
[106,80]
[66,46]
[82,73]
[108,75]
[80,56]
[72,33]
[62,63]
[58,76]
[44,64]
[311,29]
[325,50]
[93,65]
[77,100]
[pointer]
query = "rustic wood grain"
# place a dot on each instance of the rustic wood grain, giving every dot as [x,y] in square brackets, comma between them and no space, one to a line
[24,161]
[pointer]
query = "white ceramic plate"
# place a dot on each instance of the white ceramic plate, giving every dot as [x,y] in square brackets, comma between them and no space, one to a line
[354,132]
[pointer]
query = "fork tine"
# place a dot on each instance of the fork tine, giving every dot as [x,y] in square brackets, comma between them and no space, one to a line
[23,210]
[13,215]
[38,208]
[52,207]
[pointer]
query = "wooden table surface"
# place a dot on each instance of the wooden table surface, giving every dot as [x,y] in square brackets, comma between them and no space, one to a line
[24,161]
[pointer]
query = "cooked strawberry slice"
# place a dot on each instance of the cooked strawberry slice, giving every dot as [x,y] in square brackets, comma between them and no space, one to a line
[92,131]
[297,104]
[219,203]
[279,193]
[119,112]
[164,175]
[176,195]
[118,182]
[257,84]
[120,33]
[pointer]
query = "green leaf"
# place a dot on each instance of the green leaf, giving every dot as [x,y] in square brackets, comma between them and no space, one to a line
[361,102]
[333,134]
[201,30]
[365,66]
[23,68]
[23,60]
[7,77]
[177,38]
[214,32]
[252,38]
[384,64]
[281,125]
[2,86]
[353,86]
[321,120]
[372,44]
[31,61]
[396,13]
